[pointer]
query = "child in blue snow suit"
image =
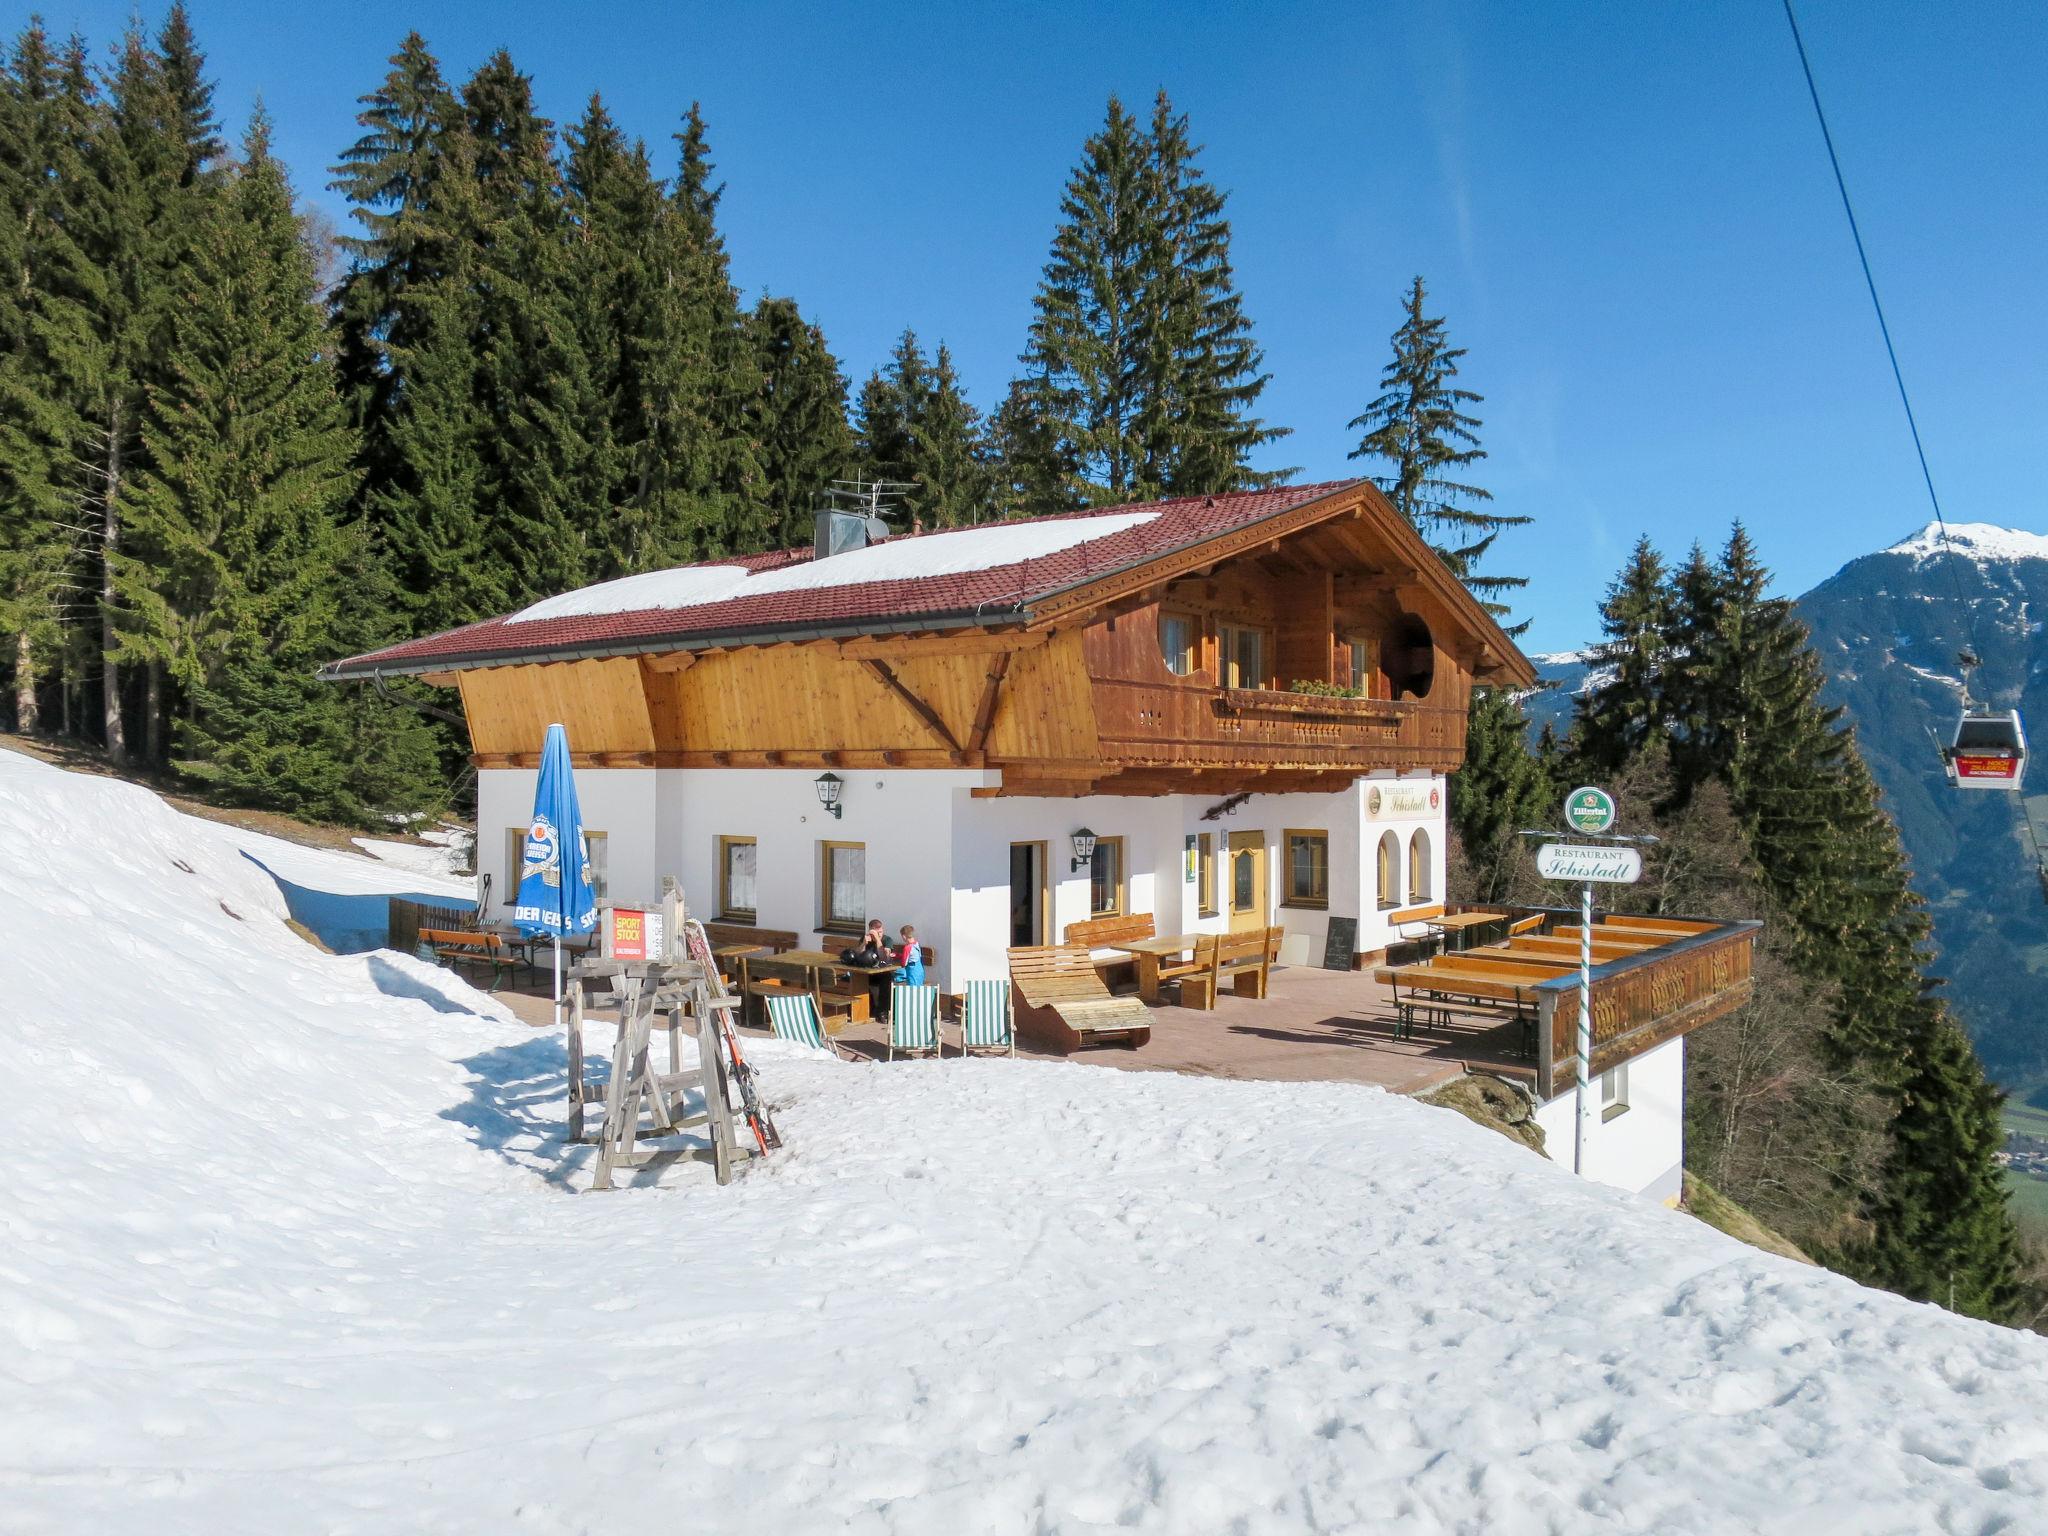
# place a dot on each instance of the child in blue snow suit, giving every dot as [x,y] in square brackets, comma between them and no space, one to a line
[911,958]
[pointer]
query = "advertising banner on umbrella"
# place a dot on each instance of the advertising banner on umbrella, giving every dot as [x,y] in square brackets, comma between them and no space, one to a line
[555,894]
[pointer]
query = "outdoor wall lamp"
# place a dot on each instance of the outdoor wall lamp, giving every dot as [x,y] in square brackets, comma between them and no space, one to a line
[828,786]
[1084,850]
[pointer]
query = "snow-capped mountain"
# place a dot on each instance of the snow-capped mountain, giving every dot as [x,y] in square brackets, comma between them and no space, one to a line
[1889,627]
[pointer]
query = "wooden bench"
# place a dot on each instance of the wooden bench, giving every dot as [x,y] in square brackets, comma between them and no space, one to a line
[1097,933]
[1522,925]
[463,946]
[1247,959]
[1063,1005]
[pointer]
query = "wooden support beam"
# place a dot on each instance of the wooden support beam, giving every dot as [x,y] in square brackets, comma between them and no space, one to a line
[991,699]
[917,706]
[670,661]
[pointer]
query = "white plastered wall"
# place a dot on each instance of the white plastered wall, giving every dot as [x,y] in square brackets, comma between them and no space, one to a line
[619,802]
[1641,1150]
[938,857]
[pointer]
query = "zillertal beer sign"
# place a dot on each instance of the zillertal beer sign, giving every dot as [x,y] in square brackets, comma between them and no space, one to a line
[1580,862]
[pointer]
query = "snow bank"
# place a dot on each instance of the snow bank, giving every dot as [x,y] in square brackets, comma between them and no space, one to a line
[903,559]
[289,1246]
[1973,541]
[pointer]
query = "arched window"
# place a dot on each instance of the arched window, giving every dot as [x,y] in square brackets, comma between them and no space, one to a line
[1418,867]
[1390,871]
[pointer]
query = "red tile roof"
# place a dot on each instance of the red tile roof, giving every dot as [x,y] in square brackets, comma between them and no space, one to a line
[996,594]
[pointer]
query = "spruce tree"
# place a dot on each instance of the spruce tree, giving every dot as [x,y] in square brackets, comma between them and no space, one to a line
[237,572]
[394,175]
[541,480]
[949,468]
[50,356]
[887,415]
[1421,429]
[1140,374]
[1203,373]
[1502,789]
[150,163]
[1619,719]
[798,418]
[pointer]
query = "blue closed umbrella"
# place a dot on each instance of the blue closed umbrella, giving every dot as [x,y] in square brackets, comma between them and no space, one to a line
[555,894]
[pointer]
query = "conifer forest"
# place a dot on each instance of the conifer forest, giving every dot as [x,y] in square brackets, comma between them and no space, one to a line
[236,444]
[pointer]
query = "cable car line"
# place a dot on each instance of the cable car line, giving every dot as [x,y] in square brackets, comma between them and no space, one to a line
[1988,750]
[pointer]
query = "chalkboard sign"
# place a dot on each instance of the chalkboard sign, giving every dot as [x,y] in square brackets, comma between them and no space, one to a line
[1341,945]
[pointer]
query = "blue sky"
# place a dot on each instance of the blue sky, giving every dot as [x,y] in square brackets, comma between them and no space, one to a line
[1623,209]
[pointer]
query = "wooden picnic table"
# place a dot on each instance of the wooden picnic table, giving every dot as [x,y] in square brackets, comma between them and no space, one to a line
[818,968]
[1443,980]
[1459,925]
[1149,953]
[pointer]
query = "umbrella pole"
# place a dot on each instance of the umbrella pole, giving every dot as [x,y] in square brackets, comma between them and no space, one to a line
[558,981]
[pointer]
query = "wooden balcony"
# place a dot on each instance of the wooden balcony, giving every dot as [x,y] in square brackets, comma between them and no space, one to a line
[1642,1000]
[1194,725]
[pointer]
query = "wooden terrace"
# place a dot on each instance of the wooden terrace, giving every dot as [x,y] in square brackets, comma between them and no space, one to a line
[1667,977]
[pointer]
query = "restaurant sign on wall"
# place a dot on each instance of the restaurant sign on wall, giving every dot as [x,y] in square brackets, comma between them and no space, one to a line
[1392,800]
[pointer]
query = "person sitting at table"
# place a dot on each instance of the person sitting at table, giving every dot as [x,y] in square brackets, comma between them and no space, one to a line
[910,956]
[873,950]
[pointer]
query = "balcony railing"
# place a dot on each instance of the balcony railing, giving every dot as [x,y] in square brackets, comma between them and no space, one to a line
[1192,723]
[1643,1000]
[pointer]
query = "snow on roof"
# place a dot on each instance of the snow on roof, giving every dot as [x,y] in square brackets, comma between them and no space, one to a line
[955,552]
[1973,541]
[968,572]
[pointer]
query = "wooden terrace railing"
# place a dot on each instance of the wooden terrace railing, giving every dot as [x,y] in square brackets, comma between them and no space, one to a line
[1190,722]
[1643,1000]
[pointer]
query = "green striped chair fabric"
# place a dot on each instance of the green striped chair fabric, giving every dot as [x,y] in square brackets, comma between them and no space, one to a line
[796,1018]
[985,1017]
[913,1019]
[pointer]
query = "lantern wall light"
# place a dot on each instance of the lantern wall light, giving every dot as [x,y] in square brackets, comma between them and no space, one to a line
[828,786]
[1084,850]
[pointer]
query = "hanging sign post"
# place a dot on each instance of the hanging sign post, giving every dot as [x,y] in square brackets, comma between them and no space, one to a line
[1590,813]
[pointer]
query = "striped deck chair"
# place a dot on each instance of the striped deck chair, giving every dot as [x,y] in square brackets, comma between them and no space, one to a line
[795,1017]
[985,1018]
[913,1019]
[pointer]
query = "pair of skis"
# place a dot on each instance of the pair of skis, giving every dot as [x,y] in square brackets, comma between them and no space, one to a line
[759,1121]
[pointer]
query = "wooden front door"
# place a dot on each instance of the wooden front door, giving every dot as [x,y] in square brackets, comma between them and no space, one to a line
[1245,880]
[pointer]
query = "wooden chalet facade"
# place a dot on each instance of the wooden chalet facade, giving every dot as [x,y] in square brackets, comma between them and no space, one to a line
[1251,700]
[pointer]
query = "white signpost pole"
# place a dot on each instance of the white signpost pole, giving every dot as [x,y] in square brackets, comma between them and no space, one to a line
[1583,1104]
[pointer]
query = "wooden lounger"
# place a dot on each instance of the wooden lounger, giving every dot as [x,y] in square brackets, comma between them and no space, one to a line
[1062,1004]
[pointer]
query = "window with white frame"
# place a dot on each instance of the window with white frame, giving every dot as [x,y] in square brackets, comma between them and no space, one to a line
[1614,1092]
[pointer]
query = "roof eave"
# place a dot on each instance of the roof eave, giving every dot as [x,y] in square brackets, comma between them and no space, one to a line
[375,664]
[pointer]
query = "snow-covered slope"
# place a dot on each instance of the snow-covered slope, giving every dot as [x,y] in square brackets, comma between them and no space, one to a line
[289,1245]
